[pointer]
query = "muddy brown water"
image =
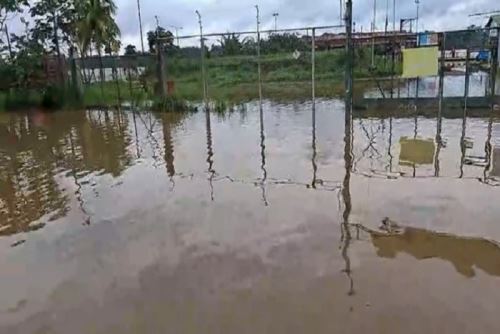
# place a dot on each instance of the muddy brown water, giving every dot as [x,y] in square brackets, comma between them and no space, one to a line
[122,222]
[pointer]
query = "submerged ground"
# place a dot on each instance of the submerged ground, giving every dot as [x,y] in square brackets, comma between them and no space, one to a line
[125,222]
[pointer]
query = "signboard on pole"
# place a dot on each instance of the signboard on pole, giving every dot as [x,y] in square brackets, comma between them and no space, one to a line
[428,39]
[420,62]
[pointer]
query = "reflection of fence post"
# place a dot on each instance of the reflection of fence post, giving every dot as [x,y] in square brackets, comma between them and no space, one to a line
[467,77]
[313,62]
[258,53]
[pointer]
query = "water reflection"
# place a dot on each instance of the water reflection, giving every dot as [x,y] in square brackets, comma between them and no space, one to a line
[262,151]
[53,165]
[298,195]
[41,155]
[464,253]
[210,154]
[313,145]
[346,238]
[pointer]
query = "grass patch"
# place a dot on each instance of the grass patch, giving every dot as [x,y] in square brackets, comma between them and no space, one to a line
[171,104]
[229,79]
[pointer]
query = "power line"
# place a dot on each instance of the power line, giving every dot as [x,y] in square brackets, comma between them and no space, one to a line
[485,13]
[253,32]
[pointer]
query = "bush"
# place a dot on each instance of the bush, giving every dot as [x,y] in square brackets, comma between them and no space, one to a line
[171,104]
[17,99]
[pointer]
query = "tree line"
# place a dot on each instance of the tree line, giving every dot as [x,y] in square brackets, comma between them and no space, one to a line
[230,44]
[53,27]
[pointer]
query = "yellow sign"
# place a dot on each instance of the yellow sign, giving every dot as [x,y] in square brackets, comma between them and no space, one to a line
[420,62]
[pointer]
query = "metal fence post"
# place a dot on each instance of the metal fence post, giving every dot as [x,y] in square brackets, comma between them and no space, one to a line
[313,62]
[258,53]
[441,72]
[349,51]
[203,73]
[467,78]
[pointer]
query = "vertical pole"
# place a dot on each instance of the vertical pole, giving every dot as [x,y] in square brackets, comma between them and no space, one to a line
[117,83]
[394,16]
[140,24]
[386,16]
[467,77]
[349,51]
[373,31]
[440,108]
[11,55]
[417,86]
[74,77]
[203,75]
[160,62]
[60,73]
[258,53]
[131,91]
[313,62]
[441,69]
[341,12]
[494,68]
[418,12]
[393,63]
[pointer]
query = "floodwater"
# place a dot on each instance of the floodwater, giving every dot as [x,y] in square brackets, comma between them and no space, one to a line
[285,221]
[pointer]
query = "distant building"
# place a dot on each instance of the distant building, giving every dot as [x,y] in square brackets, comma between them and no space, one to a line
[493,22]
[335,41]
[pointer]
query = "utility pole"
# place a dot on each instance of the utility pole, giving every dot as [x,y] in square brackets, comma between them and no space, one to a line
[60,71]
[176,33]
[373,31]
[341,11]
[394,16]
[417,2]
[276,21]
[386,16]
[140,24]
[11,56]
[160,67]
[202,45]
[258,52]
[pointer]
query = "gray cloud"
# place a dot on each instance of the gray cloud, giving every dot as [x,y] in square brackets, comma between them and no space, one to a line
[237,15]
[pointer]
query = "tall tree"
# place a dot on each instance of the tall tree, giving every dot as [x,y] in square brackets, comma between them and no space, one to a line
[98,27]
[231,44]
[166,37]
[130,50]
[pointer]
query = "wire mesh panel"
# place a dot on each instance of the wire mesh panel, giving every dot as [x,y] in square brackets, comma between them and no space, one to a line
[183,67]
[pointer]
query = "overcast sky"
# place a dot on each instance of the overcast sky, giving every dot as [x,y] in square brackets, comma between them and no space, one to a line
[237,15]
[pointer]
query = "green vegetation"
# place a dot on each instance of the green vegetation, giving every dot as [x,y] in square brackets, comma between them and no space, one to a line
[84,28]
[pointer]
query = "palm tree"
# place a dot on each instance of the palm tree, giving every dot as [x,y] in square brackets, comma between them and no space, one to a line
[97,26]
